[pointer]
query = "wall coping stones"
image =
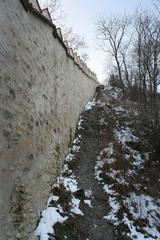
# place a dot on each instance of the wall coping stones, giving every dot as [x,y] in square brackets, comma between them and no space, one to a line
[35,4]
[25,4]
[34,7]
[60,34]
[45,12]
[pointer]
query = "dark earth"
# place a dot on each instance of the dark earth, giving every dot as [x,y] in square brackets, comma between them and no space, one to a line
[95,136]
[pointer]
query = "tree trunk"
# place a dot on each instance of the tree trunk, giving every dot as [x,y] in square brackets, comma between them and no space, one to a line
[120,74]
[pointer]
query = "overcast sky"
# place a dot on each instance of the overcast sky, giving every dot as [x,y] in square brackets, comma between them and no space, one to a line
[81,15]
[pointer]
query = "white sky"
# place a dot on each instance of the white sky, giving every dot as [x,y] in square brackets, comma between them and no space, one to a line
[81,15]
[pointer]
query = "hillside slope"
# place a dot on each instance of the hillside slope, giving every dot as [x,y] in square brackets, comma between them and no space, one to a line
[109,187]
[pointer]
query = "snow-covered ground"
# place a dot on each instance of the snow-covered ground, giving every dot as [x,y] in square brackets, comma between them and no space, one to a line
[67,180]
[141,212]
[143,208]
[50,216]
[119,161]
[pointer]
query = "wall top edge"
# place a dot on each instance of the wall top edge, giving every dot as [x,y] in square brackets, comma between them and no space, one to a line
[34,7]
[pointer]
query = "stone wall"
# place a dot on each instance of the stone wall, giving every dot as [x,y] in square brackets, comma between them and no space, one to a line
[42,92]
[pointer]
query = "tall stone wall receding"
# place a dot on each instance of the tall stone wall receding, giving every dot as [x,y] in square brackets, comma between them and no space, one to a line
[42,92]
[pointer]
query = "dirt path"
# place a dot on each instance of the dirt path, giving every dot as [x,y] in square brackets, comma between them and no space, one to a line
[104,179]
[92,225]
[80,198]
[99,228]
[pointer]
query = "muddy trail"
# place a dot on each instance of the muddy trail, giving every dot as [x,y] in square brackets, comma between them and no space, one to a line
[97,227]
[91,225]
[102,185]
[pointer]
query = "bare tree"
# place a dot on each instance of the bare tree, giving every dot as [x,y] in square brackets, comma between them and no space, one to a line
[146,57]
[75,41]
[147,48]
[55,9]
[138,63]
[126,63]
[153,70]
[156,3]
[141,51]
[110,34]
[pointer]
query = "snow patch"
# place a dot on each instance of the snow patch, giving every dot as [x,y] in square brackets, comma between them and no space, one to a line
[88,193]
[75,206]
[113,203]
[52,198]
[88,202]
[99,165]
[50,216]
[144,207]
[80,123]
[125,135]
[90,105]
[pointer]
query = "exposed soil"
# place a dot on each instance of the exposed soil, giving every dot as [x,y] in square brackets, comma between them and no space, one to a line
[127,173]
[91,225]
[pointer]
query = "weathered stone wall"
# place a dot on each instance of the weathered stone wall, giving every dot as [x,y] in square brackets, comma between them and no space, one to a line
[42,92]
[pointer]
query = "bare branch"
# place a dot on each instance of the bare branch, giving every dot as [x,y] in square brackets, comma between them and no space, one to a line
[110,35]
